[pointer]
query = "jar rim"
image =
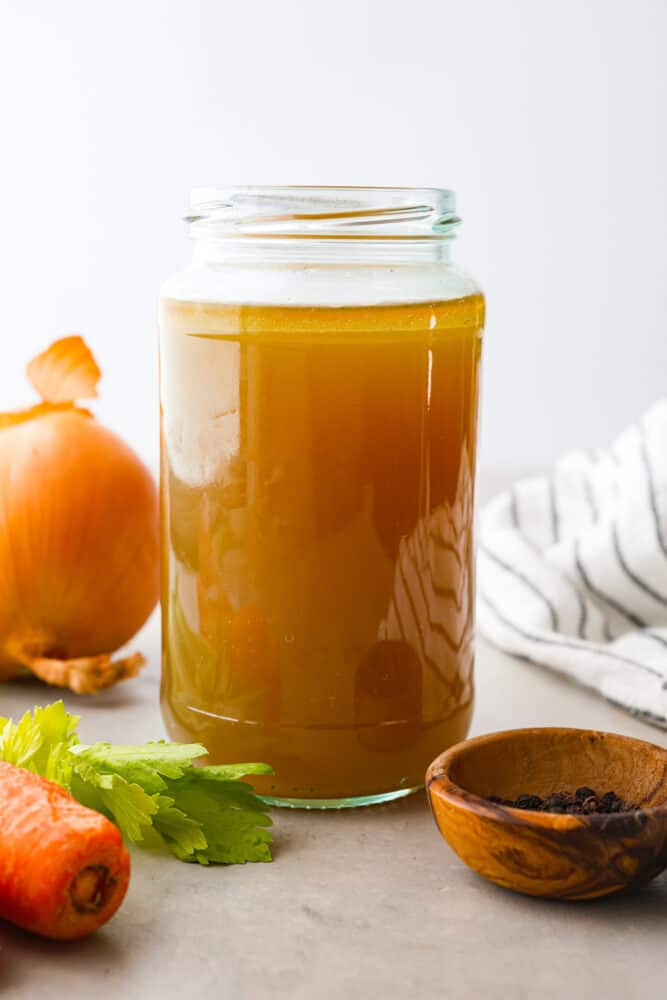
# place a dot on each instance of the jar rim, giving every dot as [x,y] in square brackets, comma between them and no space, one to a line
[321,212]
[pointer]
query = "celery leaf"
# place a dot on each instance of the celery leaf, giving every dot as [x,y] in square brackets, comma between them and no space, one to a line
[153,792]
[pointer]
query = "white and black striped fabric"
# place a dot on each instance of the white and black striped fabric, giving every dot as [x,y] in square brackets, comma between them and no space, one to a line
[572,569]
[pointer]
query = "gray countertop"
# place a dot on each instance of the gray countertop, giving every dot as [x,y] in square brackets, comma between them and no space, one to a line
[357,904]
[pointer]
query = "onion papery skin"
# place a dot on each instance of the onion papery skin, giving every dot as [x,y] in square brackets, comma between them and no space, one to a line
[79,538]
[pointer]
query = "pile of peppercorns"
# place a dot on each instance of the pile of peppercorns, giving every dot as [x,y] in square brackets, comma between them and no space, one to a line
[583,802]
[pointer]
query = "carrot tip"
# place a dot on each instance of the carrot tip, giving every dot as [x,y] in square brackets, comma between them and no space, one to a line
[91,889]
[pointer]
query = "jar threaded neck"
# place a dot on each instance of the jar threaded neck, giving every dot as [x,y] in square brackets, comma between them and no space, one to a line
[323,213]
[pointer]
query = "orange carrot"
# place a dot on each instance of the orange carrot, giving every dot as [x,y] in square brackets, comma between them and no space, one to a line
[64,868]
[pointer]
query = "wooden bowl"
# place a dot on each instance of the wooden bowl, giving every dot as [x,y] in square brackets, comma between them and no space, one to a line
[547,854]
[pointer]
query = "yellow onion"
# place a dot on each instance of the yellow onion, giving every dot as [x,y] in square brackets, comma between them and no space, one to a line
[79,533]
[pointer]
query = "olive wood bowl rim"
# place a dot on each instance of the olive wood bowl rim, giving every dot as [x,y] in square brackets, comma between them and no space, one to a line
[456,795]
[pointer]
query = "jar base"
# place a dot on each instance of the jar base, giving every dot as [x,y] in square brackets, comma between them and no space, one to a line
[354,802]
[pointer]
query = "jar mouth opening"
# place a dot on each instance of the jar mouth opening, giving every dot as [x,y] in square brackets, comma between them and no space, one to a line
[349,213]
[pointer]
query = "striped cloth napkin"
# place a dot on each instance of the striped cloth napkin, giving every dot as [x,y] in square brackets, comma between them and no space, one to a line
[572,569]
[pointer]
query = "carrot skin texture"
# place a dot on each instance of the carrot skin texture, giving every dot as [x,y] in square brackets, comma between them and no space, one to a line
[64,869]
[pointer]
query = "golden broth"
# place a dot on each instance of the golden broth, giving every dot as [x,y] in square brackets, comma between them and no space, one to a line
[317,491]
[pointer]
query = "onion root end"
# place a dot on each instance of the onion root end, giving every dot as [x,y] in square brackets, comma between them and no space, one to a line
[82,674]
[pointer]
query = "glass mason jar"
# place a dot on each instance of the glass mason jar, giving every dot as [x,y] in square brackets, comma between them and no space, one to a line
[319,365]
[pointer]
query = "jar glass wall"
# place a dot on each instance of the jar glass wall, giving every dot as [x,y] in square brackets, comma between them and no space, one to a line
[319,368]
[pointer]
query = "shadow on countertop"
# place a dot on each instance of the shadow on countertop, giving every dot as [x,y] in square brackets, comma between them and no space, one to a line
[18,949]
[638,908]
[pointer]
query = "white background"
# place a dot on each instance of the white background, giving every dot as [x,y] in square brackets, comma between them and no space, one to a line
[548,118]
